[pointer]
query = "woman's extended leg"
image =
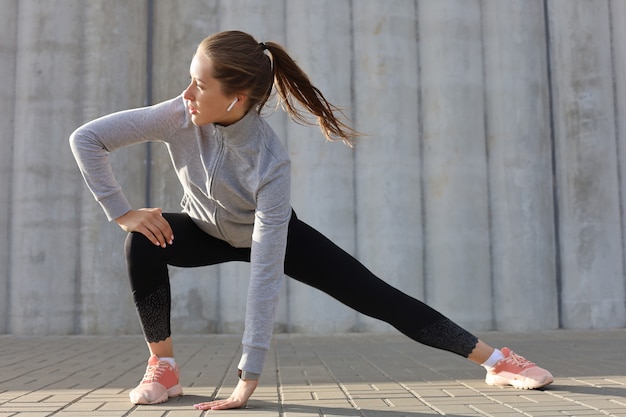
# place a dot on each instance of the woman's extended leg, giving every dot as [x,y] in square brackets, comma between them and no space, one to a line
[313,259]
[148,272]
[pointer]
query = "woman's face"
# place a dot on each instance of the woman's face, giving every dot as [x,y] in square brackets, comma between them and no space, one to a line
[206,103]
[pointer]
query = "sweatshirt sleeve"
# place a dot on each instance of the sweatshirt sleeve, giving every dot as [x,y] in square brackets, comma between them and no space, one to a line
[92,142]
[267,258]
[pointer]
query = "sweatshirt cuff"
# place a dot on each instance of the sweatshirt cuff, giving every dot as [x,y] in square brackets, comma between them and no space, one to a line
[252,359]
[115,205]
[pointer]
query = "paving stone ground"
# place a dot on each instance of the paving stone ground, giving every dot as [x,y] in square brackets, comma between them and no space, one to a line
[381,375]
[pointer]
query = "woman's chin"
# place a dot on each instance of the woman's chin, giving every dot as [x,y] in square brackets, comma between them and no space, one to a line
[197,121]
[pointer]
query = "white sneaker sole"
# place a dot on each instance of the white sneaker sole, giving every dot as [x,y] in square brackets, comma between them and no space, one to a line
[139,397]
[517,381]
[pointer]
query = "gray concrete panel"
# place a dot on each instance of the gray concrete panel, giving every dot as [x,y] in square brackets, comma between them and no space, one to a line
[618,33]
[592,293]
[44,210]
[318,38]
[114,67]
[456,227]
[520,166]
[388,163]
[8,51]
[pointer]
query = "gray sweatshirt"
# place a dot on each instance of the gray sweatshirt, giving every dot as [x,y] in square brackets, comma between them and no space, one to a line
[236,183]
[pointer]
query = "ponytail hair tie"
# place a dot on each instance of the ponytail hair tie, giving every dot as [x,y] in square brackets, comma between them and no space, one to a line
[267,52]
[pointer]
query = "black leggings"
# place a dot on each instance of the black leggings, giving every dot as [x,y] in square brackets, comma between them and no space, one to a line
[310,258]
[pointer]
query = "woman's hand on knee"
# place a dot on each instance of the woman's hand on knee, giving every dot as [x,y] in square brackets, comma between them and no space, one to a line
[150,223]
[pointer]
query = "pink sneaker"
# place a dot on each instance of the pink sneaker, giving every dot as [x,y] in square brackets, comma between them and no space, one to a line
[518,371]
[159,383]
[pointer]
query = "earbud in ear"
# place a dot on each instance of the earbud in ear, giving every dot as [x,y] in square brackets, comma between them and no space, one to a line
[232,104]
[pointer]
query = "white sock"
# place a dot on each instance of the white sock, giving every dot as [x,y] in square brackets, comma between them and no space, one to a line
[491,362]
[171,361]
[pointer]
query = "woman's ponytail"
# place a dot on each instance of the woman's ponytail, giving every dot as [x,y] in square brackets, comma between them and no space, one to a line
[292,84]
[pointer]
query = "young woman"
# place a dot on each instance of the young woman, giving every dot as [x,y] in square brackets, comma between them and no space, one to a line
[236,207]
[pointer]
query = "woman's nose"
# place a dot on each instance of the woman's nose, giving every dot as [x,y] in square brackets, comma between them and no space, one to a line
[187,93]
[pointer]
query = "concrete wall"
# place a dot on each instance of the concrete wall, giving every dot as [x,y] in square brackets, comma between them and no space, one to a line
[586,149]
[519,149]
[44,261]
[491,182]
[8,55]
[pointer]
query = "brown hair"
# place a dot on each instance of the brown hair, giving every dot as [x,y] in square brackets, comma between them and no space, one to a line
[240,64]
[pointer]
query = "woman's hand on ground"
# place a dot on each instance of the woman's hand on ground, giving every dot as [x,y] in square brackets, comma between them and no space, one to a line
[238,399]
[150,223]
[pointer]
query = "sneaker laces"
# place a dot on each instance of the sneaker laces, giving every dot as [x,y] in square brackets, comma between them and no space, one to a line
[153,372]
[519,361]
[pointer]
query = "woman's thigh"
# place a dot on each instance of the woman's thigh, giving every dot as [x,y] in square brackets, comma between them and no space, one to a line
[192,247]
